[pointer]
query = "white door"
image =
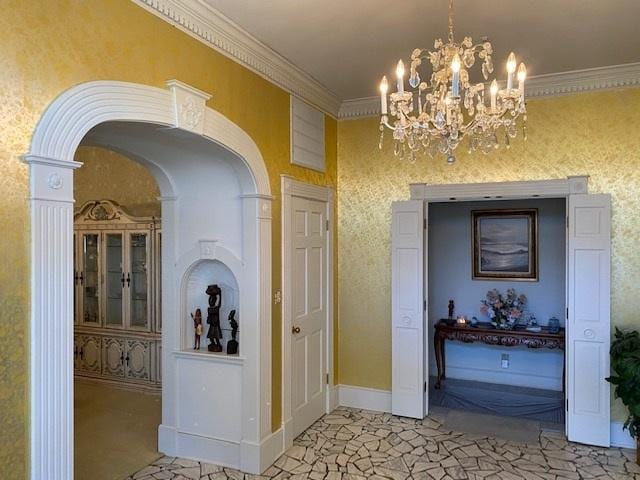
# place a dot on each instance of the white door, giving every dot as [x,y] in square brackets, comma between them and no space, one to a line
[308,312]
[408,352]
[588,319]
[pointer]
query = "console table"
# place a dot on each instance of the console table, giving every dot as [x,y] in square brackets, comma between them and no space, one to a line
[486,333]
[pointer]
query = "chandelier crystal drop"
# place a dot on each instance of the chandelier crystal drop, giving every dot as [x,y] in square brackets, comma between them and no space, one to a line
[438,114]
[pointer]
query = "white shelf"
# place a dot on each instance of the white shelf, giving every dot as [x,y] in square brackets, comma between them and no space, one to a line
[217,357]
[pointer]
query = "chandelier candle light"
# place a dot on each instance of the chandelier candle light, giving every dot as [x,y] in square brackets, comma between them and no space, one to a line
[438,114]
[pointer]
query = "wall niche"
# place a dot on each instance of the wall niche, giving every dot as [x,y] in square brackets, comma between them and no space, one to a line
[205,273]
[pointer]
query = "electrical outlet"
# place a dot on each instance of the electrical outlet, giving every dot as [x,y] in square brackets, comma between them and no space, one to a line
[504,360]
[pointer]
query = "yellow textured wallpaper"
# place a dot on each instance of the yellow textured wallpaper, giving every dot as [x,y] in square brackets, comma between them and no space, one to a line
[597,134]
[110,175]
[48,46]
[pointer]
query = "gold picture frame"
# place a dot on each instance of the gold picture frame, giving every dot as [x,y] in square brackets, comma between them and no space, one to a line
[505,244]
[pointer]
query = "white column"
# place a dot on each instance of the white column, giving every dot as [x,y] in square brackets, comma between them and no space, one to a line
[170,324]
[51,429]
[256,344]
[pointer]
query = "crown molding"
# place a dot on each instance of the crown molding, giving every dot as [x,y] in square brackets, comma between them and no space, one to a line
[576,81]
[212,28]
[359,108]
[220,33]
[551,85]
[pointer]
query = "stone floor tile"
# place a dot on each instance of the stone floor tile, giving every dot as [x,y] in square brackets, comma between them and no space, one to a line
[352,444]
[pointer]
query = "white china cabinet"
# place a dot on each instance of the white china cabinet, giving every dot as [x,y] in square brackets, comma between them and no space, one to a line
[117,296]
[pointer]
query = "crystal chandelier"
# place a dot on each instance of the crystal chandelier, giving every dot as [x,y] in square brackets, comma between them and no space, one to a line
[438,114]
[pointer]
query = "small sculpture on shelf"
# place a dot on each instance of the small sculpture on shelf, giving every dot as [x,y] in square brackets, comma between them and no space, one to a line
[232,345]
[554,325]
[532,323]
[450,320]
[213,318]
[197,326]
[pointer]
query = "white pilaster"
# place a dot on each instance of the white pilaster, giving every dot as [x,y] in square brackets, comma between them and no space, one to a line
[256,213]
[51,348]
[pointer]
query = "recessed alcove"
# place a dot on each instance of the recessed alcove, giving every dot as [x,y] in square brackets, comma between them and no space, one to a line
[204,273]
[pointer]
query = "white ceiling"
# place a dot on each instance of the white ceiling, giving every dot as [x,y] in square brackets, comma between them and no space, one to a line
[348,45]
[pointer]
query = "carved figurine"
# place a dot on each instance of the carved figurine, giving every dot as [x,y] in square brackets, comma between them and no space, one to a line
[451,308]
[232,345]
[213,318]
[197,325]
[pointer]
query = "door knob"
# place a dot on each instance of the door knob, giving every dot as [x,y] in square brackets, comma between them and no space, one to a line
[295,329]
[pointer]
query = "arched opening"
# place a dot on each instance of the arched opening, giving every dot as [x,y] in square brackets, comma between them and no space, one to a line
[215,207]
[117,323]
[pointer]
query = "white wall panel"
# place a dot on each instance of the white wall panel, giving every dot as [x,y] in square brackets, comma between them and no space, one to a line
[307,135]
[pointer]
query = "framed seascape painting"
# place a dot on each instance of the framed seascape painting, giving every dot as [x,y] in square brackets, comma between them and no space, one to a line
[505,244]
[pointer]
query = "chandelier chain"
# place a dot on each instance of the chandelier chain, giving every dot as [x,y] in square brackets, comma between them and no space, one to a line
[450,21]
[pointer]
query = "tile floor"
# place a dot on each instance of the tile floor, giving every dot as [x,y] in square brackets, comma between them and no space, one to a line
[353,444]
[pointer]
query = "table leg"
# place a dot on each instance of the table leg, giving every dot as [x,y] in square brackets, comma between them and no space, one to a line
[438,344]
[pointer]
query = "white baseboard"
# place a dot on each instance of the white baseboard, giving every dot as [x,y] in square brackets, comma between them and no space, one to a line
[334,400]
[503,377]
[287,428]
[620,437]
[364,398]
[209,450]
[249,457]
[256,458]
[167,440]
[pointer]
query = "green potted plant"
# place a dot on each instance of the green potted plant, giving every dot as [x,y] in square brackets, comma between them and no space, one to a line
[625,364]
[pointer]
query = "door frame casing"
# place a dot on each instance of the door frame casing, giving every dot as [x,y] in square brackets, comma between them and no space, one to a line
[295,188]
[535,189]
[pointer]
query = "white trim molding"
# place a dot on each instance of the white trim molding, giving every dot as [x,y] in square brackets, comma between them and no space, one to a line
[364,398]
[295,188]
[51,163]
[211,27]
[549,85]
[215,30]
[621,437]
[466,192]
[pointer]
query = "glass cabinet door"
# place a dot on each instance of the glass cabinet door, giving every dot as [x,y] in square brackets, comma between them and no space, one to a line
[114,281]
[76,280]
[89,278]
[138,281]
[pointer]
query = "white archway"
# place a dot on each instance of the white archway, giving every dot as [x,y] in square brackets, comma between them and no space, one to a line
[51,163]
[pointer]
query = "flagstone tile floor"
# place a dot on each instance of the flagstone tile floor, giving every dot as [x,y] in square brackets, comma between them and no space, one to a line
[351,444]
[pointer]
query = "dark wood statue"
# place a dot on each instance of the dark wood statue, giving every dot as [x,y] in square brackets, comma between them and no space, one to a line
[451,308]
[232,345]
[197,325]
[213,318]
